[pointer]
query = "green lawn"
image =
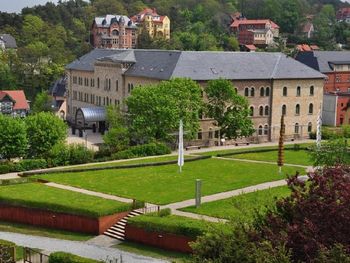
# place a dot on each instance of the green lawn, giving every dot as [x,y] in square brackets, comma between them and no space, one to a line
[300,157]
[35,195]
[164,184]
[241,208]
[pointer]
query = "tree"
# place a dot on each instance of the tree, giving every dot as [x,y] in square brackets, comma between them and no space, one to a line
[42,102]
[117,137]
[324,26]
[7,79]
[44,130]
[228,109]
[154,111]
[331,153]
[13,138]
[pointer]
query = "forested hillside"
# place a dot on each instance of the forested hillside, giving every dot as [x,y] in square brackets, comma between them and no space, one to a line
[51,36]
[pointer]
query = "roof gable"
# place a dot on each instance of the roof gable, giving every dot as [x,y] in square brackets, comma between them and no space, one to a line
[19,98]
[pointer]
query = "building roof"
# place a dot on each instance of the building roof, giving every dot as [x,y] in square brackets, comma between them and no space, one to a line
[9,41]
[58,89]
[202,65]
[148,11]
[106,21]
[323,60]
[92,114]
[237,23]
[18,96]
[251,47]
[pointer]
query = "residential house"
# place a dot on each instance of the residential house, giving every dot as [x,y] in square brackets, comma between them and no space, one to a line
[58,93]
[343,15]
[273,83]
[13,102]
[113,31]
[336,66]
[7,42]
[156,25]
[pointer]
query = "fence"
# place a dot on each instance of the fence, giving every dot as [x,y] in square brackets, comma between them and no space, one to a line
[33,256]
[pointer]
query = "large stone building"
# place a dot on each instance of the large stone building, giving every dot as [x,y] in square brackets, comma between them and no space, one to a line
[113,31]
[155,24]
[336,66]
[272,82]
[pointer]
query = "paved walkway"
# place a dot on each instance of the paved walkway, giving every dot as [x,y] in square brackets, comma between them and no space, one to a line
[9,176]
[79,248]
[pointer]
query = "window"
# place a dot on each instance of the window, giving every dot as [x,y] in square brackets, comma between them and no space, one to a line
[109,84]
[297,109]
[266,110]
[311,108]
[210,134]
[309,127]
[98,83]
[116,85]
[298,91]
[252,92]
[261,111]
[266,129]
[262,92]
[260,130]
[284,110]
[115,33]
[199,135]
[285,91]
[267,91]
[337,79]
[296,128]
[312,90]
[251,111]
[74,80]
[246,92]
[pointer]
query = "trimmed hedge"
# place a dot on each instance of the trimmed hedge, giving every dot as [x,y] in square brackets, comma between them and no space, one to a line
[170,224]
[62,257]
[150,149]
[7,243]
[23,165]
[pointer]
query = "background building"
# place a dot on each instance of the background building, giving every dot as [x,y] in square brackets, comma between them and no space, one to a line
[13,102]
[113,31]
[273,83]
[7,42]
[155,24]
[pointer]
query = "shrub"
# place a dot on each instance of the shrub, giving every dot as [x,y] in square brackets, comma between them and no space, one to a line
[79,154]
[346,131]
[6,168]
[6,243]
[59,155]
[150,149]
[165,212]
[30,164]
[61,257]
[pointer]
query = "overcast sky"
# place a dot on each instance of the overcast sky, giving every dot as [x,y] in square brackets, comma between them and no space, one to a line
[17,5]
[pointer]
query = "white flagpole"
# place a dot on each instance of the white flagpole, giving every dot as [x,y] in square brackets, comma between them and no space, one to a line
[180,160]
[319,129]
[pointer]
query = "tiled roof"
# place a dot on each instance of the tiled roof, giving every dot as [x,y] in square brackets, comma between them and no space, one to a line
[106,21]
[18,96]
[58,89]
[236,23]
[201,65]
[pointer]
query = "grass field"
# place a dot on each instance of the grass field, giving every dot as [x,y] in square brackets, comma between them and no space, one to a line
[300,157]
[164,184]
[35,195]
[241,208]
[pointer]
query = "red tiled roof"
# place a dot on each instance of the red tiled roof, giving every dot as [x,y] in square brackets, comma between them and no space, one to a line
[250,47]
[18,96]
[305,47]
[236,23]
[314,47]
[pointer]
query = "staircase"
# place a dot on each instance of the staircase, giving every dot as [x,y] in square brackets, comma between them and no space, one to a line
[117,231]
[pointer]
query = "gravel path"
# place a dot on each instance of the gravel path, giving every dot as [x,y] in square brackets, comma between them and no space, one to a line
[75,247]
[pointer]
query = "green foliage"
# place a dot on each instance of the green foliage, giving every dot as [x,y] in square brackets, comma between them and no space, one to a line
[155,110]
[7,243]
[13,137]
[229,109]
[62,257]
[164,212]
[331,153]
[59,155]
[150,149]
[62,154]
[7,167]
[42,103]
[30,164]
[324,26]
[44,130]
[335,254]
[346,131]
[7,79]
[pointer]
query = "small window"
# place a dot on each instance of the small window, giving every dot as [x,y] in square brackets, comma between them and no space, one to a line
[261,111]
[252,92]
[260,130]
[298,91]
[251,111]
[311,108]
[266,130]
[285,91]
[284,110]
[246,92]
[210,134]
[296,128]
[309,127]
[267,91]
[267,110]
[312,90]
[116,85]
[98,83]
[262,92]
[199,135]
[297,109]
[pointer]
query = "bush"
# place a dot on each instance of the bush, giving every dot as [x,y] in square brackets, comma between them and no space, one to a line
[165,212]
[150,149]
[61,257]
[6,243]
[79,154]
[30,164]
[59,155]
[6,168]
[346,131]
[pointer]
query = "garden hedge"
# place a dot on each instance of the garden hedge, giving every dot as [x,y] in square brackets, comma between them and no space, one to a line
[62,257]
[150,149]
[7,243]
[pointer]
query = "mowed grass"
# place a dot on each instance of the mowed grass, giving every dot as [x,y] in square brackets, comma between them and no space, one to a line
[35,195]
[242,208]
[164,184]
[300,157]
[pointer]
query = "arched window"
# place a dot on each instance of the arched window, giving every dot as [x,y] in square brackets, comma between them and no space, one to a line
[266,110]
[252,92]
[285,91]
[260,130]
[266,129]
[309,127]
[210,133]
[262,92]
[284,110]
[311,108]
[298,91]
[297,109]
[115,33]
[246,92]
[267,91]
[296,128]
[261,111]
[251,111]
[312,90]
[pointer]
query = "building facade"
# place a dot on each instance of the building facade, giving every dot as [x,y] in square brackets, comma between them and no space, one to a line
[14,103]
[336,66]
[273,84]
[113,31]
[155,24]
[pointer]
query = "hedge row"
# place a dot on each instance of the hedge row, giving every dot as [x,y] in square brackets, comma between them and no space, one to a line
[62,257]
[150,149]
[7,243]
[23,165]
